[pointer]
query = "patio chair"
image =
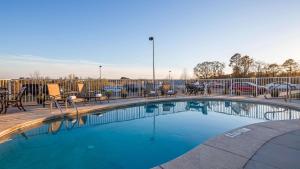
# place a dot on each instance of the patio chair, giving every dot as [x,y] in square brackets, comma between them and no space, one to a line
[90,94]
[171,93]
[16,101]
[55,95]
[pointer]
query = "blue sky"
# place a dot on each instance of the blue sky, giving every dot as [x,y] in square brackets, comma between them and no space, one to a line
[58,37]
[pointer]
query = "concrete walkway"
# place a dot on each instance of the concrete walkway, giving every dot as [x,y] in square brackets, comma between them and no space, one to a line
[249,147]
[282,152]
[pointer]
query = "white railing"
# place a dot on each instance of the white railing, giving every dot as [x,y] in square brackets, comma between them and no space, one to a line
[271,87]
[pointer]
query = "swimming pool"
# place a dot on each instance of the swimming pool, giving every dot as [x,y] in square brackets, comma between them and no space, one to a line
[138,137]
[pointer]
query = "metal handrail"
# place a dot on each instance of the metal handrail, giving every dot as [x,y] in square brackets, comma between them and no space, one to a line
[273,112]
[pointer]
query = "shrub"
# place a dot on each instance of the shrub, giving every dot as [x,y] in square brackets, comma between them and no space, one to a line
[108,93]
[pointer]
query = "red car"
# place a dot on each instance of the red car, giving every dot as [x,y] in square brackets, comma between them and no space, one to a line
[247,87]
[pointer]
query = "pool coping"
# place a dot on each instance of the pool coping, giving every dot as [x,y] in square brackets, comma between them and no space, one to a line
[219,152]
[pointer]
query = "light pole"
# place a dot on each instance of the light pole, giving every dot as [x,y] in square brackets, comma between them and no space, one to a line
[152,39]
[100,70]
[170,75]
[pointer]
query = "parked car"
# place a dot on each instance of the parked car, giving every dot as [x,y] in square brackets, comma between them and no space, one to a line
[247,87]
[115,89]
[216,85]
[281,86]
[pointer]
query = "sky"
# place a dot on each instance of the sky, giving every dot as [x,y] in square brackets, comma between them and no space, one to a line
[59,37]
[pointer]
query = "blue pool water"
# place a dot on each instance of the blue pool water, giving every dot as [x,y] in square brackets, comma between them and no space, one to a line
[134,137]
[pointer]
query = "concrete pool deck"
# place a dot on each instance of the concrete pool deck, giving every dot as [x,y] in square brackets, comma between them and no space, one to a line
[267,145]
[272,144]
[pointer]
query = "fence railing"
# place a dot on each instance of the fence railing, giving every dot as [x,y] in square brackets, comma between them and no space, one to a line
[273,87]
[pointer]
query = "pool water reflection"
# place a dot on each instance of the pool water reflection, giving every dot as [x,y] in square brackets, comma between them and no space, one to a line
[135,137]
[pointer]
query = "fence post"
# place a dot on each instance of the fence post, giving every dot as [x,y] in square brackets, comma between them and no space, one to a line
[256,91]
[289,88]
[230,86]
[115,89]
[89,91]
[9,89]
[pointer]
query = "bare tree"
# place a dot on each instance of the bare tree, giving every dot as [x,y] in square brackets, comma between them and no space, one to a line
[259,68]
[35,75]
[240,65]
[246,62]
[218,68]
[290,66]
[234,62]
[273,69]
[209,69]
[71,76]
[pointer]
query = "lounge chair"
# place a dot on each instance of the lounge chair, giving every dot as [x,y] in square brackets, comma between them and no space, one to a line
[56,96]
[90,94]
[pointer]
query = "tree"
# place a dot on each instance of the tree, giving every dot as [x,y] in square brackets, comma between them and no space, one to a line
[71,76]
[290,65]
[217,68]
[259,68]
[240,65]
[273,69]
[235,64]
[209,69]
[246,62]
[35,75]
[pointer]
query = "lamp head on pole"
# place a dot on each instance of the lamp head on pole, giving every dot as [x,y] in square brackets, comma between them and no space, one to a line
[151,38]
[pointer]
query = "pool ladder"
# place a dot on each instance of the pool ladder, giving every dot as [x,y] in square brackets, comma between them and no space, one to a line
[74,106]
[68,100]
[69,124]
[57,105]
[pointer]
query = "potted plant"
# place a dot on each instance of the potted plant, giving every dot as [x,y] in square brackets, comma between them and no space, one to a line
[124,93]
[108,93]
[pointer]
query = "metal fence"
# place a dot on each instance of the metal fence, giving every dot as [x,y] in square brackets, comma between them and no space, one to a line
[273,87]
